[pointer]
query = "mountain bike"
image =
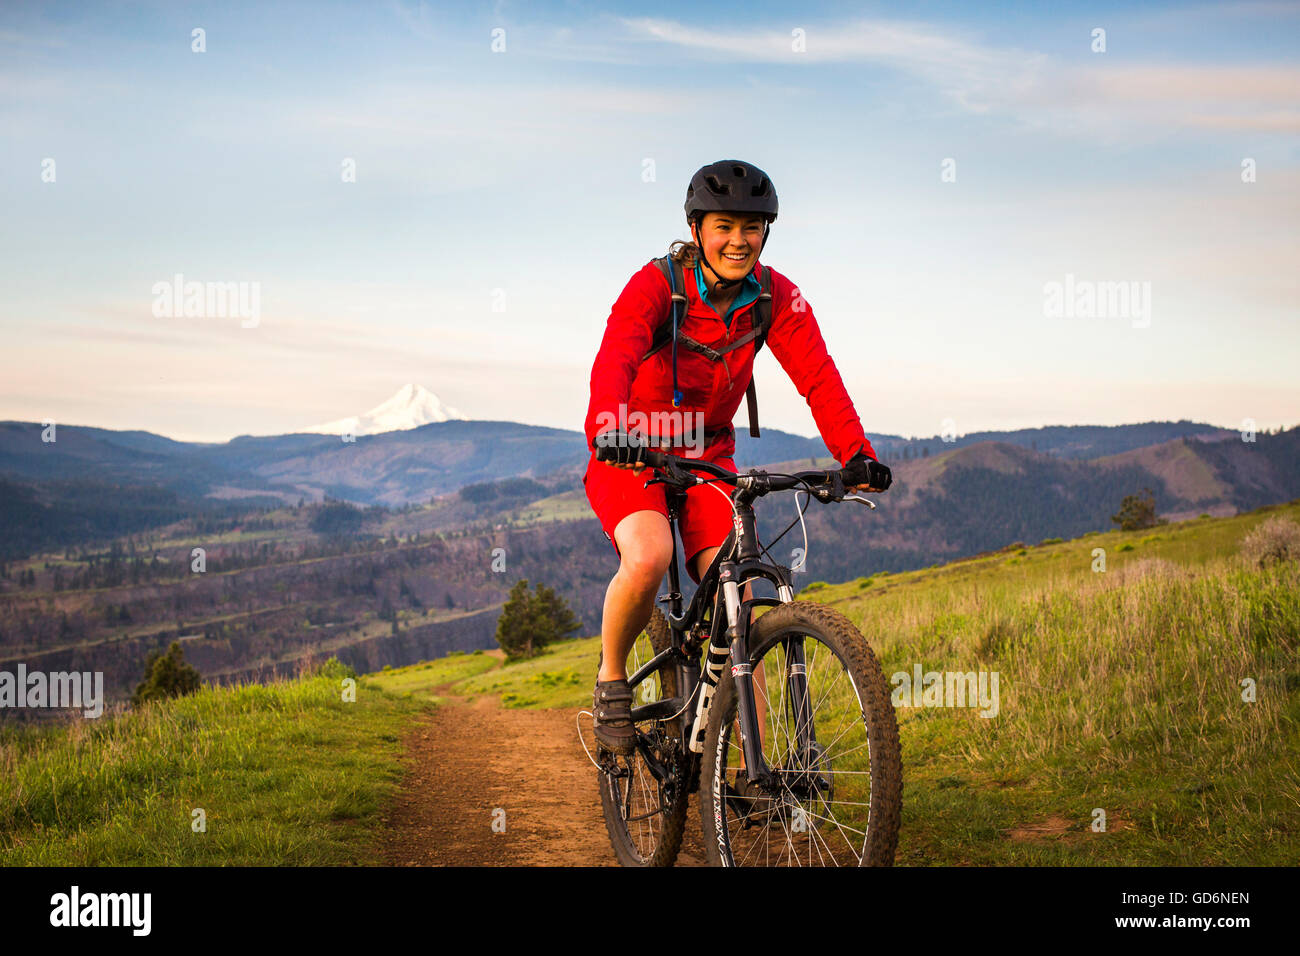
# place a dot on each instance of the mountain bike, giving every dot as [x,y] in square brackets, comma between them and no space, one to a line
[793,747]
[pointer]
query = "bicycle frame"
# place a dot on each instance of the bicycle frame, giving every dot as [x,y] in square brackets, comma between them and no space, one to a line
[738,561]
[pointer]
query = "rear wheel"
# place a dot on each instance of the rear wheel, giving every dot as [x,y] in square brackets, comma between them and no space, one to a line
[836,794]
[644,794]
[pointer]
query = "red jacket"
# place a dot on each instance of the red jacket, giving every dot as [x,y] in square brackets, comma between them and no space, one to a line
[715,388]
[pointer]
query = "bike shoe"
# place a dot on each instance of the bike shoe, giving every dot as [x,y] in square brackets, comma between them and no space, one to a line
[612,710]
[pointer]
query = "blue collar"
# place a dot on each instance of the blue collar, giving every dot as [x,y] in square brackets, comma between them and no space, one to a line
[749,290]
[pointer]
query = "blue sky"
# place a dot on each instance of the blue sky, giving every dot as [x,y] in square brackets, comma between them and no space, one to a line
[522,171]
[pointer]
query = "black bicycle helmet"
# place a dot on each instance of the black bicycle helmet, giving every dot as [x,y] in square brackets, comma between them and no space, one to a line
[730,185]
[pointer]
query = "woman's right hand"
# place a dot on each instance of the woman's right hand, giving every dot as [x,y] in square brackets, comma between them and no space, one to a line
[621,449]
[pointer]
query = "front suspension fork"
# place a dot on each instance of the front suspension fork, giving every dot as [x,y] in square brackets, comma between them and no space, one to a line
[742,672]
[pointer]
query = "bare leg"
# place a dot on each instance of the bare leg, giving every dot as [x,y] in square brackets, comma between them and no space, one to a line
[645,547]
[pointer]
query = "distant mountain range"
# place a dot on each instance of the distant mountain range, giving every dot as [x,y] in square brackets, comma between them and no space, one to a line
[94,482]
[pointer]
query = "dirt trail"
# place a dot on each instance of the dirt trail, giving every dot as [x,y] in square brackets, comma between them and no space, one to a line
[467,761]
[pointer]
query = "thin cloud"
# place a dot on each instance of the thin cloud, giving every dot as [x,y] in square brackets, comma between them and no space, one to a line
[1030,85]
[978,77]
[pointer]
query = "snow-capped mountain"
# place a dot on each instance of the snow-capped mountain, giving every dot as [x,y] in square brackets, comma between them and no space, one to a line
[411,407]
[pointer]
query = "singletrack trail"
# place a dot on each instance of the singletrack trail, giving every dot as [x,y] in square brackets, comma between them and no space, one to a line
[467,761]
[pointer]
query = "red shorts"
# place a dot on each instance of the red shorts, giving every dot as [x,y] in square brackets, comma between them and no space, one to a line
[704,519]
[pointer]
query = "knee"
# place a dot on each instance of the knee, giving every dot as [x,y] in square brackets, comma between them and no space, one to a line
[644,566]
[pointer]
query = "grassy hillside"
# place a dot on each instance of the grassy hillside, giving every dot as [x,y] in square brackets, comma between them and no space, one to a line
[286,773]
[1119,689]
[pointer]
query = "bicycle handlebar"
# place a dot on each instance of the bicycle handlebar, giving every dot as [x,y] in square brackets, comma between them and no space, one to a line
[825,485]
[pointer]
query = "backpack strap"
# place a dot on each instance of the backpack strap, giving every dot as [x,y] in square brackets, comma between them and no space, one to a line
[675,275]
[762,322]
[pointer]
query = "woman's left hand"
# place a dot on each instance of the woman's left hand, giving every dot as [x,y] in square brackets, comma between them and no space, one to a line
[878,477]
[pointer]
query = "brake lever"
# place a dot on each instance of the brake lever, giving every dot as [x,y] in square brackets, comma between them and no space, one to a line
[866,501]
[677,474]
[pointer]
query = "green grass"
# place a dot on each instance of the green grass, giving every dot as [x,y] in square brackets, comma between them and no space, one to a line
[421,680]
[561,676]
[567,506]
[286,773]
[1118,690]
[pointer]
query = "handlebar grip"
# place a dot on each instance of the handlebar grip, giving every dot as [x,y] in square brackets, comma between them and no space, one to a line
[653,458]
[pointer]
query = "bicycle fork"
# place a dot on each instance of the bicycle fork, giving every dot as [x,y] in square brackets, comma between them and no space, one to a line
[733,643]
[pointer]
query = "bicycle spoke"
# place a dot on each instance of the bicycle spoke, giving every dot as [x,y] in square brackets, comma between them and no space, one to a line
[841,830]
[820,753]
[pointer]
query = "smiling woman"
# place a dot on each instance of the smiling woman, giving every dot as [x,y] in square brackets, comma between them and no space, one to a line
[715,306]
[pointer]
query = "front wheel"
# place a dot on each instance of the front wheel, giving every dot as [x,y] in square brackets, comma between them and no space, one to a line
[830,738]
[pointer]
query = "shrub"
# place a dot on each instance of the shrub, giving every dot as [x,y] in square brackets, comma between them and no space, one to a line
[815,586]
[1137,511]
[166,675]
[1050,541]
[1273,540]
[529,622]
[1125,547]
[335,669]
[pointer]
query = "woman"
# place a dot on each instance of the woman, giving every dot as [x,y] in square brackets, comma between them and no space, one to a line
[729,208]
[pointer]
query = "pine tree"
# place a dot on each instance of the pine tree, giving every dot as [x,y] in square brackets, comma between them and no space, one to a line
[515,624]
[529,622]
[166,675]
[1137,512]
[555,620]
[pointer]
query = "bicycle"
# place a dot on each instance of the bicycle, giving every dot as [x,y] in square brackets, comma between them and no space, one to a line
[821,785]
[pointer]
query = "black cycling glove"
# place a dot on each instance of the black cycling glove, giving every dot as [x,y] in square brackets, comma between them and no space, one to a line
[620,448]
[864,470]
